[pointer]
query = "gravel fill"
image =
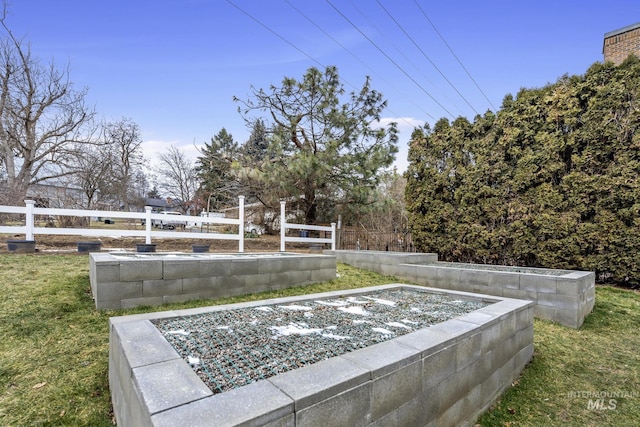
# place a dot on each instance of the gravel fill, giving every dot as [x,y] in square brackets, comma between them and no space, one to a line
[231,348]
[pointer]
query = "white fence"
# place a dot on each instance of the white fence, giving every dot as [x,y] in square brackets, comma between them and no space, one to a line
[30,229]
[284,226]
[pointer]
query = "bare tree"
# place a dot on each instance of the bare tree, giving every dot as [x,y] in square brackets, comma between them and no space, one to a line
[177,174]
[123,138]
[41,116]
[94,174]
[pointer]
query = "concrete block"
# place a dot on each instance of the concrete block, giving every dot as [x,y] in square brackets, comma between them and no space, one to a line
[233,283]
[426,341]
[406,271]
[107,272]
[158,288]
[168,384]
[109,305]
[118,291]
[241,266]
[561,302]
[504,352]
[490,337]
[291,277]
[473,278]
[455,387]
[538,283]
[383,358]
[455,328]
[418,412]
[489,290]
[349,408]
[392,390]
[256,404]
[565,286]
[211,267]
[200,285]
[141,343]
[277,265]
[468,351]
[505,280]
[132,270]
[524,337]
[478,318]
[545,313]
[524,318]
[569,318]
[449,278]
[520,294]
[508,326]
[180,269]
[311,385]
[523,357]
[471,406]
[438,366]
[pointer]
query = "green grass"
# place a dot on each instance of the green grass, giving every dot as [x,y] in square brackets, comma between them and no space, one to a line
[54,351]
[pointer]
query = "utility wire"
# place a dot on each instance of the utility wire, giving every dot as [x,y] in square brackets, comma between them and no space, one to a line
[298,49]
[425,55]
[390,59]
[275,33]
[454,55]
[312,22]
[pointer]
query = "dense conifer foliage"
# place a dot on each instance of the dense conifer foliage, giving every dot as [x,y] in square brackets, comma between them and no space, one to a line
[549,180]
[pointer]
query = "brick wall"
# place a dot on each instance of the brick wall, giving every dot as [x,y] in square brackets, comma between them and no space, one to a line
[619,44]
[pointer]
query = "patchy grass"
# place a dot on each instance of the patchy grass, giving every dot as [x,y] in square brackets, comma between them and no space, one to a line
[54,351]
[571,369]
[54,345]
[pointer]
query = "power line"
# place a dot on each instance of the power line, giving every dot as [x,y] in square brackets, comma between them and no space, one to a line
[275,33]
[425,55]
[360,61]
[390,59]
[300,50]
[454,55]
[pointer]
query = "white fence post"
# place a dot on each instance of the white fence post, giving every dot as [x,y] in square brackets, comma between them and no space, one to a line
[241,226]
[29,221]
[147,224]
[333,236]
[283,224]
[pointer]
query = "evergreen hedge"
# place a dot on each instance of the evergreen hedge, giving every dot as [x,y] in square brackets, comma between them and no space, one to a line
[550,180]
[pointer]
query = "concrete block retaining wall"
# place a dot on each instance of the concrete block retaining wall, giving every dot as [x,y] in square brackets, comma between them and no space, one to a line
[130,280]
[446,374]
[562,296]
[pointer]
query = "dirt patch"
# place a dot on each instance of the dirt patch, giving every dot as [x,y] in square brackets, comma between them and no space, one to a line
[54,243]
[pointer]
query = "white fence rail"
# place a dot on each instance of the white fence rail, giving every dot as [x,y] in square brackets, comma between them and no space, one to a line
[284,226]
[30,230]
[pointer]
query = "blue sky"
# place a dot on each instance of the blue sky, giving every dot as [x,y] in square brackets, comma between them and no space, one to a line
[174,66]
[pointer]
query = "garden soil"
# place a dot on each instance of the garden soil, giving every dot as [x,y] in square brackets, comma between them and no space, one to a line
[57,244]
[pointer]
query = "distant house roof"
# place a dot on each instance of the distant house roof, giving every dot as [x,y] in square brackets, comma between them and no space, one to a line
[157,203]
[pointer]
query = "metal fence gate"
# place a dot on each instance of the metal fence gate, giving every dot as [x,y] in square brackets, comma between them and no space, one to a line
[359,239]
